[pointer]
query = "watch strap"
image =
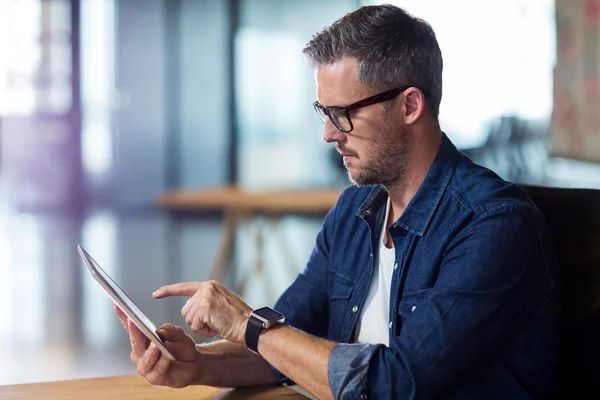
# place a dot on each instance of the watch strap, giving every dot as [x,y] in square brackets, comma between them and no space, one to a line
[253,329]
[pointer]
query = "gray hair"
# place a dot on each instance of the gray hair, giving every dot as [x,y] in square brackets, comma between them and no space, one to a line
[392,47]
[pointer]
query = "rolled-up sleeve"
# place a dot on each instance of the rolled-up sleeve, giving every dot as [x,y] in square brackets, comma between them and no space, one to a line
[493,276]
[348,368]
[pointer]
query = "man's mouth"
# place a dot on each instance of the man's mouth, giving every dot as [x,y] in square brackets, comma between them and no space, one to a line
[344,154]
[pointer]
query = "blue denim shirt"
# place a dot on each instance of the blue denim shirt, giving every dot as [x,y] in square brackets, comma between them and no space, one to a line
[473,304]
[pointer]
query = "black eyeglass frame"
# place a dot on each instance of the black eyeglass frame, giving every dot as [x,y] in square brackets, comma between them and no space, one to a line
[323,112]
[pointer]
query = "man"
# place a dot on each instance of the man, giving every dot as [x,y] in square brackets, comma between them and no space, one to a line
[430,278]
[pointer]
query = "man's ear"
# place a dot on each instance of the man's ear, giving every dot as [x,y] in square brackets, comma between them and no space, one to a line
[414,105]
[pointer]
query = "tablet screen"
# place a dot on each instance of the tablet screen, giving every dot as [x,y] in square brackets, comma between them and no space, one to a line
[124,297]
[123,301]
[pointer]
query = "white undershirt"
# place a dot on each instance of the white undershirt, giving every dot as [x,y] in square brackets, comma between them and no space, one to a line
[373,321]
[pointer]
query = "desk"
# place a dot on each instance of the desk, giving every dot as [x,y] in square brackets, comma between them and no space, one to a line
[233,199]
[241,207]
[134,387]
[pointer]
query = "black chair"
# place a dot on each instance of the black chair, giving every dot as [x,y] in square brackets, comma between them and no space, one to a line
[574,219]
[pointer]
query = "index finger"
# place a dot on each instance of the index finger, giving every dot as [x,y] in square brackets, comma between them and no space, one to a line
[178,289]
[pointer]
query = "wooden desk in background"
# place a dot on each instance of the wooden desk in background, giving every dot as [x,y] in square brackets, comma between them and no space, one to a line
[241,207]
[134,387]
[233,199]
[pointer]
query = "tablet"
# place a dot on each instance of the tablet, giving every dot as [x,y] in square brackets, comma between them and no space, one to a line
[124,302]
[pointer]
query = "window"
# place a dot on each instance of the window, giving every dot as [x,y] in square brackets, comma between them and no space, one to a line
[35,57]
[498,60]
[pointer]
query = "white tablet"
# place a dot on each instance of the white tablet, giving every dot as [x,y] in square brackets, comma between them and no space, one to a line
[124,302]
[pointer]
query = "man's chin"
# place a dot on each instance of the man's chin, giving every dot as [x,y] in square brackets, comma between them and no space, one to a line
[361,180]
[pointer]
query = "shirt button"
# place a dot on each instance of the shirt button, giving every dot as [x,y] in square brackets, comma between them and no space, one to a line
[363,396]
[355,309]
[390,324]
[395,266]
[413,308]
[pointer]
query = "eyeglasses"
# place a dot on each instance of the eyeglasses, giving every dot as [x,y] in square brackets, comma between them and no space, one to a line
[340,116]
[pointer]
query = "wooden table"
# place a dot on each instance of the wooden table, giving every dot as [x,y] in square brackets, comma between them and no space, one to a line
[241,201]
[134,387]
[240,208]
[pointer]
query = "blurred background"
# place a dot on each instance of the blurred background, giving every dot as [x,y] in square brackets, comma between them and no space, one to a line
[106,105]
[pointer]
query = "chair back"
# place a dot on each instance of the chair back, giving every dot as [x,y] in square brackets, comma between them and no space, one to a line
[573,216]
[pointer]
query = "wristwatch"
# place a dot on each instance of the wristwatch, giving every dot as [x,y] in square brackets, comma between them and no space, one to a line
[261,318]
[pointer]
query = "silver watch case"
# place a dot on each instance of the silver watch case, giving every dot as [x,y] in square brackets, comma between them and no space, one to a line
[268,316]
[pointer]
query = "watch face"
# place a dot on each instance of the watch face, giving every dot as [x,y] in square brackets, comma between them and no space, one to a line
[268,313]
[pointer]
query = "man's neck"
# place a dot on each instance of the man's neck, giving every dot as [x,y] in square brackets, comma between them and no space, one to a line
[423,153]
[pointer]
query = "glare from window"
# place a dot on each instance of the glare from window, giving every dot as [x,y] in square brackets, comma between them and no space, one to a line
[97,84]
[20,31]
[498,60]
[35,57]
[99,237]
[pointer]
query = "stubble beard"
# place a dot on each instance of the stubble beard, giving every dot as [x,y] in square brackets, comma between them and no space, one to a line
[387,161]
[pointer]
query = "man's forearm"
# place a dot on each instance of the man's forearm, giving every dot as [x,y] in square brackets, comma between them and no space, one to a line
[300,356]
[227,364]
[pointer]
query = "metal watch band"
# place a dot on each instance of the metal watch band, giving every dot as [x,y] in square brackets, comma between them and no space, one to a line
[253,329]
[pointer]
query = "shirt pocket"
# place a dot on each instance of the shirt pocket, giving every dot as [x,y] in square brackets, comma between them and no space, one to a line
[409,303]
[340,293]
[340,286]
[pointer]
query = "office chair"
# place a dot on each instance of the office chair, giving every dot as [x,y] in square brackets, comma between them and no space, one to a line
[574,219]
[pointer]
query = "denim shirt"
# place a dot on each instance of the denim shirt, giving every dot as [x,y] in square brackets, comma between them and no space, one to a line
[474,298]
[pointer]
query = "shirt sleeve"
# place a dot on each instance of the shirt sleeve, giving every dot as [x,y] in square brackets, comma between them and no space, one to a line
[494,275]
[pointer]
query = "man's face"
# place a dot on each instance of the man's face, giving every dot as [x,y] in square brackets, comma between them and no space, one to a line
[376,150]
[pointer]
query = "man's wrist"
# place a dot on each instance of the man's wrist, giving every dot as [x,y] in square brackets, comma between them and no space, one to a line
[228,364]
[259,320]
[268,332]
[242,336]
[200,371]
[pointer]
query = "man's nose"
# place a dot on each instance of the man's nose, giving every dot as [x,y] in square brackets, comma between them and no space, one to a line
[332,134]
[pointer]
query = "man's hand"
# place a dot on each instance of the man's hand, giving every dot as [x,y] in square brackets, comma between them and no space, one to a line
[155,366]
[211,310]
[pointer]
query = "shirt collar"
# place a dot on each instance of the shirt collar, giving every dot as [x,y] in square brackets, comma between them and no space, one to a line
[418,213]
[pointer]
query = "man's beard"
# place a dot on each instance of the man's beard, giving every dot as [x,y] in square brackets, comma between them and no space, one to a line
[387,161]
